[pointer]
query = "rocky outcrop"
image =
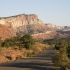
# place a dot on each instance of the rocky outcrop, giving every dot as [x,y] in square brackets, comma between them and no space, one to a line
[54,27]
[20,20]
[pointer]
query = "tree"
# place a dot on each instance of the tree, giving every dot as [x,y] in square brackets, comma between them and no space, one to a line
[28,41]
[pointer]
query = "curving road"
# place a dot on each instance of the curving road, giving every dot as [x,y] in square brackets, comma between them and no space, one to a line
[42,61]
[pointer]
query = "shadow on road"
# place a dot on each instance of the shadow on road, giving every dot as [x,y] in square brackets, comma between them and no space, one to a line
[33,65]
[42,61]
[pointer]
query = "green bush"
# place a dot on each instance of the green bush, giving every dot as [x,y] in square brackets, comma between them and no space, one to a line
[60,59]
[61,44]
[14,41]
[7,43]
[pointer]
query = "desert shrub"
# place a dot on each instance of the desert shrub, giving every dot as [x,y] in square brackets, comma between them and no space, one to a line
[28,54]
[35,50]
[60,59]
[61,44]
[57,47]
[0,50]
[43,48]
[14,41]
[68,65]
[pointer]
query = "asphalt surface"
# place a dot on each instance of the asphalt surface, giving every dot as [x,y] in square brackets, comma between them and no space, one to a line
[42,61]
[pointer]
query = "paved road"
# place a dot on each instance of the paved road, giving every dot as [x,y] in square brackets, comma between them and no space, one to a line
[42,61]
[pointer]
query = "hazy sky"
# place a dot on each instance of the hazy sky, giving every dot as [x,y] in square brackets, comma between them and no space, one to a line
[49,11]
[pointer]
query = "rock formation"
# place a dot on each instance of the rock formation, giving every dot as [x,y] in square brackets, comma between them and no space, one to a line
[23,23]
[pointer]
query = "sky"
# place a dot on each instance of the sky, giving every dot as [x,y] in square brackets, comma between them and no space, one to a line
[49,11]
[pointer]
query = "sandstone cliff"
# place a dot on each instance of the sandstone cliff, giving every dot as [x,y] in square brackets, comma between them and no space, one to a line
[24,23]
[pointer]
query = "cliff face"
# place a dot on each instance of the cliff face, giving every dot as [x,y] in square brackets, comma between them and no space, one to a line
[24,23]
[20,20]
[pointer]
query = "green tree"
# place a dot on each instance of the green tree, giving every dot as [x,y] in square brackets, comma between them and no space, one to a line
[28,41]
